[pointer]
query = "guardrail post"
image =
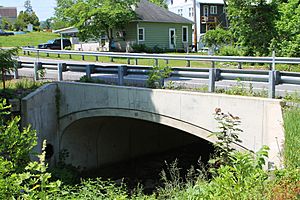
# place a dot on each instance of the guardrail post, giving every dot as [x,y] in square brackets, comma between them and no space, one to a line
[61,67]
[16,72]
[122,71]
[89,70]
[47,54]
[136,61]
[37,67]
[111,59]
[70,56]
[82,57]
[155,62]
[239,65]
[212,80]
[58,55]
[188,63]
[272,83]
[24,52]
[97,58]
[128,61]
[213,64]
[273,60]
[167,62]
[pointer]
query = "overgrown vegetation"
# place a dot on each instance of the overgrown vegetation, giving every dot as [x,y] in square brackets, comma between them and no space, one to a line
[292,135]
[157,75]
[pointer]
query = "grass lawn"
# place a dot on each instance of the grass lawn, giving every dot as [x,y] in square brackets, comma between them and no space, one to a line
[29,39]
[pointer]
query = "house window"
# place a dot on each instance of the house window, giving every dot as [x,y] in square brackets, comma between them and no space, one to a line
[141,34]
[185,34]
[171,2]
[213,10]
[180,11]
[191,12]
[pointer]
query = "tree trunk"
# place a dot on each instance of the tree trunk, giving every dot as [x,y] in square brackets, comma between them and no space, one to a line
[3,78]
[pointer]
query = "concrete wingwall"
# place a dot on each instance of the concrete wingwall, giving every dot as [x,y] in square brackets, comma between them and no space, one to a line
[191,112]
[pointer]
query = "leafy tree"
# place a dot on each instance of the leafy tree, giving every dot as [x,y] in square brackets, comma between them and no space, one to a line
[95,18]
[28,7]
[7,62]
[217,37]
[6,25]
[24,18]
[287,42]
[252,23]
[161,3]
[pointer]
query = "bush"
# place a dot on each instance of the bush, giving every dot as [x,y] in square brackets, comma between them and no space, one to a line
[230,51]
[157,75]
[142,48]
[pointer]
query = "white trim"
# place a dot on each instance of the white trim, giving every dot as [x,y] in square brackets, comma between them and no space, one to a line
[213,10]
[141,28]
[171,46]
[205,7]
[187,34]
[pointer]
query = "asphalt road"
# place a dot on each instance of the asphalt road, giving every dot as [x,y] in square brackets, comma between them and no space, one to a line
[139,80]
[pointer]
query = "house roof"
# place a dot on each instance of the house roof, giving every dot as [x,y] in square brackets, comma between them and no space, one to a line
[67,30]
[211,1]
[150,12]
[8,12]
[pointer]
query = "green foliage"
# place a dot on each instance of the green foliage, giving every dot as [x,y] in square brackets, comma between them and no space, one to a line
[287,43]
[157,75]
[15,144]
[95,18]
[6,24]
[7,62]
[218,37]
[228,135]
[252,23]
[292,135]
[142,48]
[25,18]
[230,51]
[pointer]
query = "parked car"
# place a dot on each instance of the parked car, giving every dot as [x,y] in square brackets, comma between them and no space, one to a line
[3,33]
[55,44]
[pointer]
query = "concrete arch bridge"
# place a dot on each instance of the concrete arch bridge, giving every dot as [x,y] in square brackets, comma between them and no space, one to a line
[103,124]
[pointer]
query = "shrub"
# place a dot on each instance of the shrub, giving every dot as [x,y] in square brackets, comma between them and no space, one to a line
[157,75]
[230,51]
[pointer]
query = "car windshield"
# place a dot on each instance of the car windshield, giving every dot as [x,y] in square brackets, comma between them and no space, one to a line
[50,41]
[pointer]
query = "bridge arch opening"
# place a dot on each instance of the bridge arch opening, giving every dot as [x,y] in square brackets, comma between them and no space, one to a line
[120,147]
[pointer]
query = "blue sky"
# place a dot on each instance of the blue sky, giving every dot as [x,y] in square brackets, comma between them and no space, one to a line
[43,8]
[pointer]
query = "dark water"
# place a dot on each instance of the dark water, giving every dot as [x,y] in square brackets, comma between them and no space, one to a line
[146,170]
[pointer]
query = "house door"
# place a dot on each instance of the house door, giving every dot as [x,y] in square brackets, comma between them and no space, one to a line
[172,38]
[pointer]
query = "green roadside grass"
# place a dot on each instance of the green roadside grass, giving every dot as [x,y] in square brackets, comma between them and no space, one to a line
[292,137]
[171,63]
[29,39]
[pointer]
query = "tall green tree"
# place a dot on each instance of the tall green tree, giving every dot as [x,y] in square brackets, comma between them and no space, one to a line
[7,62]
[287,42]
[25,18]
[95,18]
[252,23]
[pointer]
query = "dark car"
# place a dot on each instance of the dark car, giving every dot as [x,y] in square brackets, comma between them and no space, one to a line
[3,33]
[55,44]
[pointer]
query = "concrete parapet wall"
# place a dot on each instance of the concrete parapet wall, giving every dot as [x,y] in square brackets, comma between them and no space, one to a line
[191,112]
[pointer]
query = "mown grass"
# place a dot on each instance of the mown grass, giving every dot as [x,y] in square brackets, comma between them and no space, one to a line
[29,39]
[292,137]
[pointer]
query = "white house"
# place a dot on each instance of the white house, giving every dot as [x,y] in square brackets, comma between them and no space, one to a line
[209,13]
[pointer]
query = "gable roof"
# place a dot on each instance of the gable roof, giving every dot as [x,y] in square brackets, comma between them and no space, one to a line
[150,12]
[8,12]
[212,1]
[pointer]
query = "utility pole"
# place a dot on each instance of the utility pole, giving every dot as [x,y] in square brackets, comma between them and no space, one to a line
[195,26]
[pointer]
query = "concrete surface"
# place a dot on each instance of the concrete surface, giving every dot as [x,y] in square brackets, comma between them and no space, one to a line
[190,112]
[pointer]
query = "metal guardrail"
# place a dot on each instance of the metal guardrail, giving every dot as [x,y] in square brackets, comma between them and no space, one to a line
[272,77]
[188,57]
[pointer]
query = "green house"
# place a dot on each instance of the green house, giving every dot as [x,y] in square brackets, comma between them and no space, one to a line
[155,27]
